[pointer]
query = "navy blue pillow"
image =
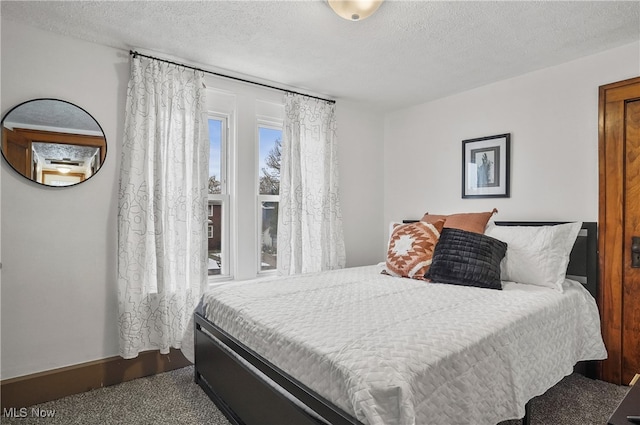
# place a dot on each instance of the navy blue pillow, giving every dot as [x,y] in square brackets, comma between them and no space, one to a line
[467,258]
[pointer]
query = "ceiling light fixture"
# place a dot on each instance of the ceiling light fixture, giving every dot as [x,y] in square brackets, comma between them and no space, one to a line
[64,169]
[354,10]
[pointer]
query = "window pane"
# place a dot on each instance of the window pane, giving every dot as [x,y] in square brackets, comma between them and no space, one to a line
[270,141]
[269,236]
[215,206]
[215,237]
[215,155]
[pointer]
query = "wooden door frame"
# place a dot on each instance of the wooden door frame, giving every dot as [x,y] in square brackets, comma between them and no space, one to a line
[611,169]
[65,139]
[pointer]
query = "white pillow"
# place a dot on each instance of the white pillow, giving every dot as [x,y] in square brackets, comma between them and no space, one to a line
[537,255]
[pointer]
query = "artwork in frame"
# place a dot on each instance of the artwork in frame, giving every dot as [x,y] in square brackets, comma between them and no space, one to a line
[486,167]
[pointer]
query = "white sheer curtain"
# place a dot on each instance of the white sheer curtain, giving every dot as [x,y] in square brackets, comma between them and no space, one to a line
[309,219]
[162,252]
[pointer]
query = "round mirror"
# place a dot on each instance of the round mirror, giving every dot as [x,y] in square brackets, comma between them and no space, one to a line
[53,142]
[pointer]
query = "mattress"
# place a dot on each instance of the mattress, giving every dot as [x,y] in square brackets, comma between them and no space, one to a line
[391,350]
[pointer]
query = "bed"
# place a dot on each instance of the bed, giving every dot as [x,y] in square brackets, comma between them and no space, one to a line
[351,346]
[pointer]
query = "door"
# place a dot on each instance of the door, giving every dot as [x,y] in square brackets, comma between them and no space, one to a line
[17,151]
[619,222]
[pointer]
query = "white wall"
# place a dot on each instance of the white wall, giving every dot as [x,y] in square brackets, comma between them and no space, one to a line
[59,244]
[59,290]
[360,152]
[552,115]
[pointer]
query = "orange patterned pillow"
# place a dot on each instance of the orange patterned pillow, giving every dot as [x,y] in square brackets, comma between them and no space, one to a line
[411,248]
[471,222]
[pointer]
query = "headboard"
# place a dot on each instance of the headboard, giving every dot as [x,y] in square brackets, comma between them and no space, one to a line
[583,263]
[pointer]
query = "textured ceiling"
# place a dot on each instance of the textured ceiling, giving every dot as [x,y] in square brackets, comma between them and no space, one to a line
[52,115]
[63,153]
[408,53]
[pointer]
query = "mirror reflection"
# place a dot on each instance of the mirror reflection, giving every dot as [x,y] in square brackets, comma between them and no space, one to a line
[53,142]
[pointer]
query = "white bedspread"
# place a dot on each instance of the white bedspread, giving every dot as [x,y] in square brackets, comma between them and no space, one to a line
[391,350]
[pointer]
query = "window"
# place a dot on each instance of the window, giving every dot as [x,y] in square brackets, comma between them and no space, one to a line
[270,148]
[243,218]
[218,206]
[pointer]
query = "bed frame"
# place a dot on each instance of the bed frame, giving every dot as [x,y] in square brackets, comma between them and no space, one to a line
[241,383]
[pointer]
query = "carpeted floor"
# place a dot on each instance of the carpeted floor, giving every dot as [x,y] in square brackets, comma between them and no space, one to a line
[576,400]
[173,398]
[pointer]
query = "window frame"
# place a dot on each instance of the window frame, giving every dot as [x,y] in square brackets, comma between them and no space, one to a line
[273,124]
[223,199]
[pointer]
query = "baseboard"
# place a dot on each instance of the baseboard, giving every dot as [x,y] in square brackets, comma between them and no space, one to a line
[41,387]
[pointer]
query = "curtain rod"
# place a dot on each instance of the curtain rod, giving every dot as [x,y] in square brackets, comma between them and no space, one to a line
[134,54]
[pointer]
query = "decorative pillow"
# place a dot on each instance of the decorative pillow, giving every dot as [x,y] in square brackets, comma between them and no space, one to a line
[537,255]
[471,222]
[411,248]
[467,258]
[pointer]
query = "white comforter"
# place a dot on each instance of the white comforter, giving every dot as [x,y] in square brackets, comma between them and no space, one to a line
[399,351]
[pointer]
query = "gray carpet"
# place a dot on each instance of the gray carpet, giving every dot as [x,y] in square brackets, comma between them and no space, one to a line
[576,400]
[173,398]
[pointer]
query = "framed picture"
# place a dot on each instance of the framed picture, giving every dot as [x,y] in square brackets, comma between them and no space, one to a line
[485,167]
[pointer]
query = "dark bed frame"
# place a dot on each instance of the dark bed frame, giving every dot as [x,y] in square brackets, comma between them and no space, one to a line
[246,397]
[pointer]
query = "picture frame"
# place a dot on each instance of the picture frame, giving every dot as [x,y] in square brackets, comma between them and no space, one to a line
[486,167]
